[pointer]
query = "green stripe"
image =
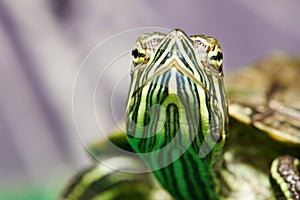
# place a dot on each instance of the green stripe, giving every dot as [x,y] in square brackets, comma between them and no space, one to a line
[86,179]
[101,182]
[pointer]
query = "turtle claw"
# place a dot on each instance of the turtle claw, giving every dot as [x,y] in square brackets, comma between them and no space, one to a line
[285,177]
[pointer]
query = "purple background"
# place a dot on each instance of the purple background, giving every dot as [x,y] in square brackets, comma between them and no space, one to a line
[44,42]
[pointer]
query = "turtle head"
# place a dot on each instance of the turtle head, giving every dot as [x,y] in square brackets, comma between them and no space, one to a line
[180,73]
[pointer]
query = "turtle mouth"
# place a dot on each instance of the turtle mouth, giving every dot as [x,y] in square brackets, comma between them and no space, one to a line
[176,67]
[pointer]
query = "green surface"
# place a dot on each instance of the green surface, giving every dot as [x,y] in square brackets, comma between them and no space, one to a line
[28,193]
[46,190]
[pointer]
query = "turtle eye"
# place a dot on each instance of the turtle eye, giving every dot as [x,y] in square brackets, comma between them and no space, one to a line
[215,56]
[138,56]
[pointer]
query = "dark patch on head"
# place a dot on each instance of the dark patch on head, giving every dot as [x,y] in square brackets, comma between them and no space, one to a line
[218,57]
[135,53]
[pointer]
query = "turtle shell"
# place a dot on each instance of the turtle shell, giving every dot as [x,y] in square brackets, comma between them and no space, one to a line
[264,108]
[267,95]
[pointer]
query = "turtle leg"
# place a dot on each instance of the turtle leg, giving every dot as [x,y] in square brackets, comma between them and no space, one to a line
[105,183]
[117,174]
[284,177]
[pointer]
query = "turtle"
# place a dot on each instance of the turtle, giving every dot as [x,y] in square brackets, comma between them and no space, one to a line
[186,138]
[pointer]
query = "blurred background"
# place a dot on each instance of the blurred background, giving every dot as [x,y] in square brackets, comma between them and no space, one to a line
[58,85]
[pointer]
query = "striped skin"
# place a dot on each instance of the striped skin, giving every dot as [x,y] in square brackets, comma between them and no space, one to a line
[101,182]
[285,179]
[176,114]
